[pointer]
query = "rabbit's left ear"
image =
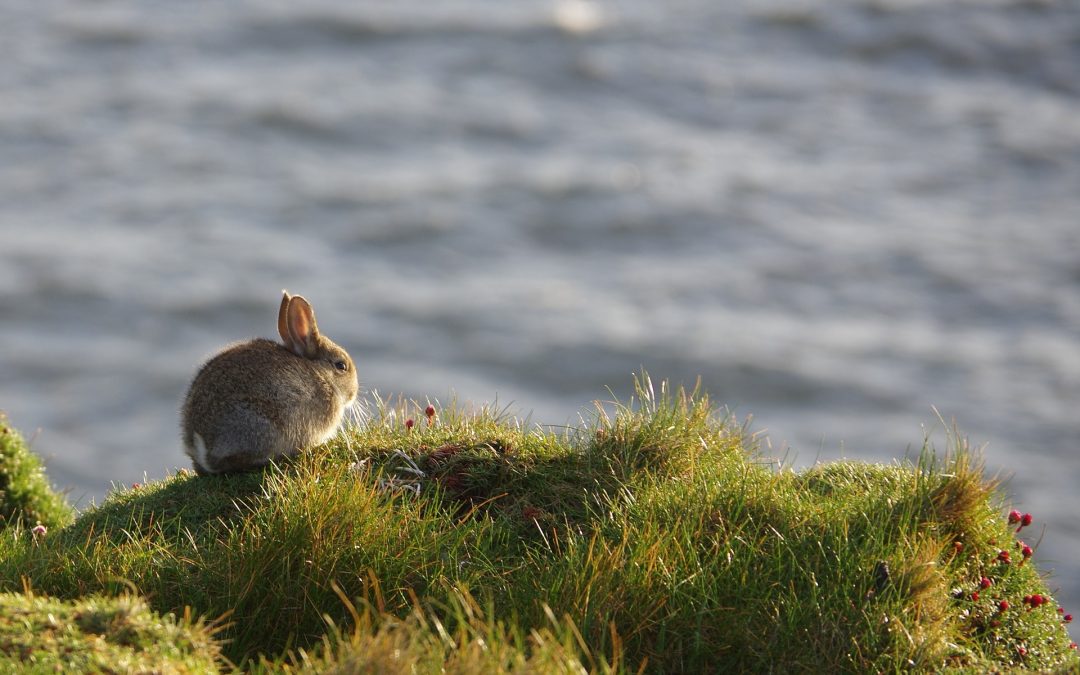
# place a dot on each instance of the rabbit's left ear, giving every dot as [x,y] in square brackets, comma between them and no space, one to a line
[283,321]
[302,327]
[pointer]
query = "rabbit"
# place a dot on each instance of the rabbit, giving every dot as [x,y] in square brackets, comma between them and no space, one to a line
[258,400]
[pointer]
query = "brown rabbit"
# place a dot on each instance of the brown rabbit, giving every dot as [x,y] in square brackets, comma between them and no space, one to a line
[258,400]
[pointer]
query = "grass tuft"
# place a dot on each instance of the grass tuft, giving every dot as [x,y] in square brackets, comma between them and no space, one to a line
[97,634]
[422,642]
[25,494]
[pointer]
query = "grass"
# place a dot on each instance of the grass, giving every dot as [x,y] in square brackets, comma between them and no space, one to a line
[96,634]
[652,539]
[25,494]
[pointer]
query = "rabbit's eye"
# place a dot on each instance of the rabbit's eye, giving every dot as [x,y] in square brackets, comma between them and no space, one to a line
[341,365]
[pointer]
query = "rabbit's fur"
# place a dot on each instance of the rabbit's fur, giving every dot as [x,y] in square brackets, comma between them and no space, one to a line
[258,400]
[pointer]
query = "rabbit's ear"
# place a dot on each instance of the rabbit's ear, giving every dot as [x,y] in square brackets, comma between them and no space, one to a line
[302,327]
[283,322]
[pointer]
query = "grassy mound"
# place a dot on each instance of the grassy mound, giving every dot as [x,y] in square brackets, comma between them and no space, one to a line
[25,494]
[654,538]
[99,635]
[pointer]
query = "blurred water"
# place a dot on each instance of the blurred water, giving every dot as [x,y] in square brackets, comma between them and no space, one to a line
[839,213]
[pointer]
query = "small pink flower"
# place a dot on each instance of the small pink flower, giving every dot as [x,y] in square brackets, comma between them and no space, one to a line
[1034,600]
[409,424]
[984,583]
[1025,520]
[135,486]
[1021,650]
[1014,517]
[39,530]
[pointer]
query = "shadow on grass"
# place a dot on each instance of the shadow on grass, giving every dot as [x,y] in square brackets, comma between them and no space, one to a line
[183,502]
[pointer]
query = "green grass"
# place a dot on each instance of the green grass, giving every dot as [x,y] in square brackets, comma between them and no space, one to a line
[99,635]
[25,494]
[652,538]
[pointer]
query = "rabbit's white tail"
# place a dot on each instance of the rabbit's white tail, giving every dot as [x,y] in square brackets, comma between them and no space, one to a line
[200,454]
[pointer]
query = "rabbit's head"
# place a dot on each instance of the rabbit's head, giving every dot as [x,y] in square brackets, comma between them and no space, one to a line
[300,335]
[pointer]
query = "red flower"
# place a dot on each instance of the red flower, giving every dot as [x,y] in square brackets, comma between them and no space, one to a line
[974,596]
[1003,556]
[1014,517]
[1067,618]
[1003,605]
[1026,551]
[430,412]
[1021,650]
[984,583]
[1025,520]
[957,546]
[409,424]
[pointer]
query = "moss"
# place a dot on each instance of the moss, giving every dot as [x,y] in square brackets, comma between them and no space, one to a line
[25,494]
[97,635]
